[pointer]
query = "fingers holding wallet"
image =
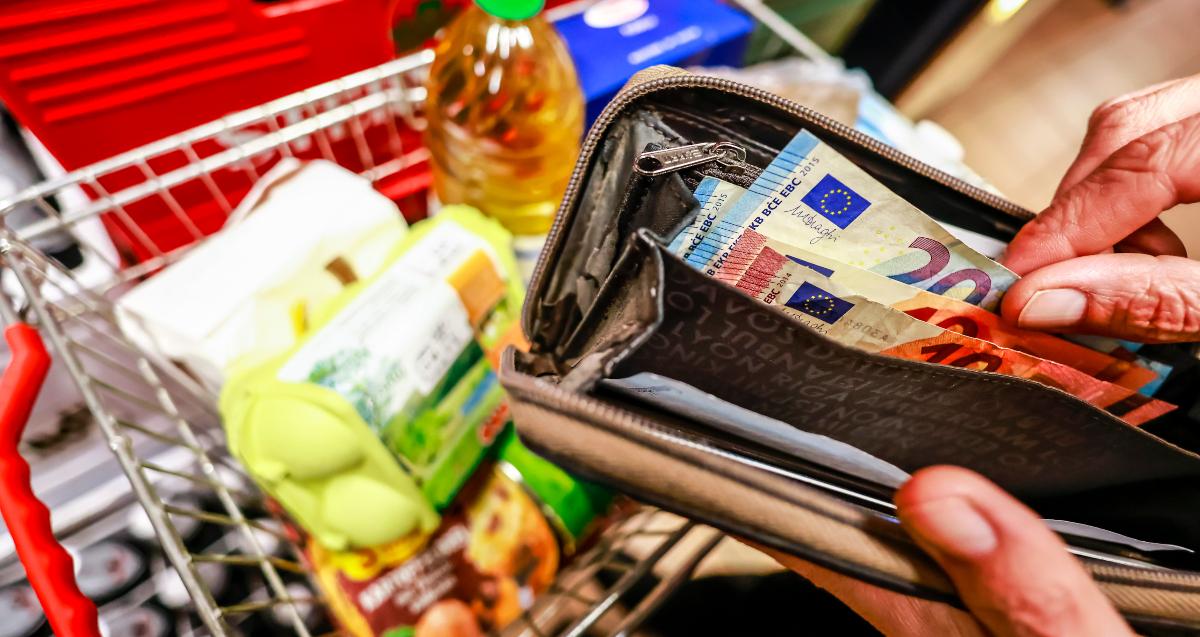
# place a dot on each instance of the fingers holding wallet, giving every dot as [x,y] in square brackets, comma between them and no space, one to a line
[1138,297]
[1011,571]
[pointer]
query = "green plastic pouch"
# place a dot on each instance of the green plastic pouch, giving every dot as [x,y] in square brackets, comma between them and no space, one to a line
[338,430]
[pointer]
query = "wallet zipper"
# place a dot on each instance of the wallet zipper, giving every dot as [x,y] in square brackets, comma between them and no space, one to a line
[808,116]
[668,160]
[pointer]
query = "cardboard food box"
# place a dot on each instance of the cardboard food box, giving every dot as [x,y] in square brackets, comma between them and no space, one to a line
[613,39]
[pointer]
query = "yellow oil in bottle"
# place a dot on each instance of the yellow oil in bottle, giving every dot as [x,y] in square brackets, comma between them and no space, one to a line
[505,114]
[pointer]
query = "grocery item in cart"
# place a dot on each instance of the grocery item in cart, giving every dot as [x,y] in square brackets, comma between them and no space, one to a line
[492,554]
[613,39]
[310,449]
[393,369]
[571,505]
[505,114]
[443,444]
[315,228]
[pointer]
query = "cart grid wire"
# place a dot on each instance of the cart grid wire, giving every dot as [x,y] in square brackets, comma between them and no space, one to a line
[368,122]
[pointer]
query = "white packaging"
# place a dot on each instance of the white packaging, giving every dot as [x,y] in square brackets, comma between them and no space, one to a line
[237,294]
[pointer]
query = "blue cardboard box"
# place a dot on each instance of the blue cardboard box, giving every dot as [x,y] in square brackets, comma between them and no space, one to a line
[613,39]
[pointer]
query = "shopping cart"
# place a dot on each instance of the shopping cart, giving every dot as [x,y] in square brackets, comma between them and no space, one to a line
[162,425]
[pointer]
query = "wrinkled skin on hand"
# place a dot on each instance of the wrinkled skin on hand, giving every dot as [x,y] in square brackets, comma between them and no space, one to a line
[1098,259]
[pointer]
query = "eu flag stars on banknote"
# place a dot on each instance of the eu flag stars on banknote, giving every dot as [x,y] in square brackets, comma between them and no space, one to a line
[835,201]
[812,197]
[817,236]
[818,303]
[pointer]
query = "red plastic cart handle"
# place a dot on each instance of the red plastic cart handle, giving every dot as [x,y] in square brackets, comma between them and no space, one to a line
[47,564]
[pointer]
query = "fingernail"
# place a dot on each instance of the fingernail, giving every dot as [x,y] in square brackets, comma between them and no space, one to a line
[1053,308]
[952,526]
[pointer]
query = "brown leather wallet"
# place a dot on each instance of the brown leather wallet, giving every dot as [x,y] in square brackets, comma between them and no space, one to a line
[608,301]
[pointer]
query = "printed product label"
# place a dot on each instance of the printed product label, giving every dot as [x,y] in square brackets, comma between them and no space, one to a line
[388,347]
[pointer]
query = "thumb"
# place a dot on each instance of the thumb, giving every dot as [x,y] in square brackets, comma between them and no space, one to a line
[1011,571]
[1132,296]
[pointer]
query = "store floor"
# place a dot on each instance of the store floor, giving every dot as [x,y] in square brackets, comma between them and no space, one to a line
[1022,121]
[780,603]
[737,590]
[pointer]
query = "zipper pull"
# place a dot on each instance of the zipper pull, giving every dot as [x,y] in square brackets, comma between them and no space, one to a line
[668,160]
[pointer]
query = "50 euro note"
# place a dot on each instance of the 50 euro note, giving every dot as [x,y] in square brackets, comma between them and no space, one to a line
[944,312]
[858,322]
[812,197]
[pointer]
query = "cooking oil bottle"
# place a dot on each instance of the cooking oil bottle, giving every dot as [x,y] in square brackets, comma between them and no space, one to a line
[505,114]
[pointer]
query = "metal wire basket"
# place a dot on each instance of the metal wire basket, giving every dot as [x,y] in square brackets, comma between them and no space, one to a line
[161,424]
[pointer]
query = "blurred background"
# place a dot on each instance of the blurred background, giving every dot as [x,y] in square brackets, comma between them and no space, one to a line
[997,92]
[1016,89]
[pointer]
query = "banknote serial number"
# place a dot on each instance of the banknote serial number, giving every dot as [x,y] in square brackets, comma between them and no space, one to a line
[870,330]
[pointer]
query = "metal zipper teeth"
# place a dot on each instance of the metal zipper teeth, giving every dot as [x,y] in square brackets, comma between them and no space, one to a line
[1160,577]
[808,115]
[560,400]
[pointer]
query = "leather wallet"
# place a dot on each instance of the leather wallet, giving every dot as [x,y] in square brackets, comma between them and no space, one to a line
[608,301]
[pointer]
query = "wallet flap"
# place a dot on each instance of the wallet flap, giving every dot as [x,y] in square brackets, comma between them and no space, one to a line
[659,466]
[1031,439]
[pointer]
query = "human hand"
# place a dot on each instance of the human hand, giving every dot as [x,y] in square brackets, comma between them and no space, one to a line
[1012,572]
[1099,260]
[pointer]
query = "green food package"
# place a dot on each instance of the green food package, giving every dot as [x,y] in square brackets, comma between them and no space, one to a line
[570,504]
[382,410]
[441,446]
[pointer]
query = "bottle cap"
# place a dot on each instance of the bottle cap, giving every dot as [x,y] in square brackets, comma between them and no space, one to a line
[512,9]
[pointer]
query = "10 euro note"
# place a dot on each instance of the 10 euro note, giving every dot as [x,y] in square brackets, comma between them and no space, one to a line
[944,312]
[812,197]
[858,322]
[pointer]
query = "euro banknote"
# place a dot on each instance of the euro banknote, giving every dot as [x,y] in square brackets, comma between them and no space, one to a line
[810,196]
[715,196]
[944,312]
[858,322]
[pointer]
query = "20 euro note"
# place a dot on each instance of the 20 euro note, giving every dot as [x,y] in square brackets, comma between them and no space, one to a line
[1116,362]
[941,311]
[812,197]
[864,324]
